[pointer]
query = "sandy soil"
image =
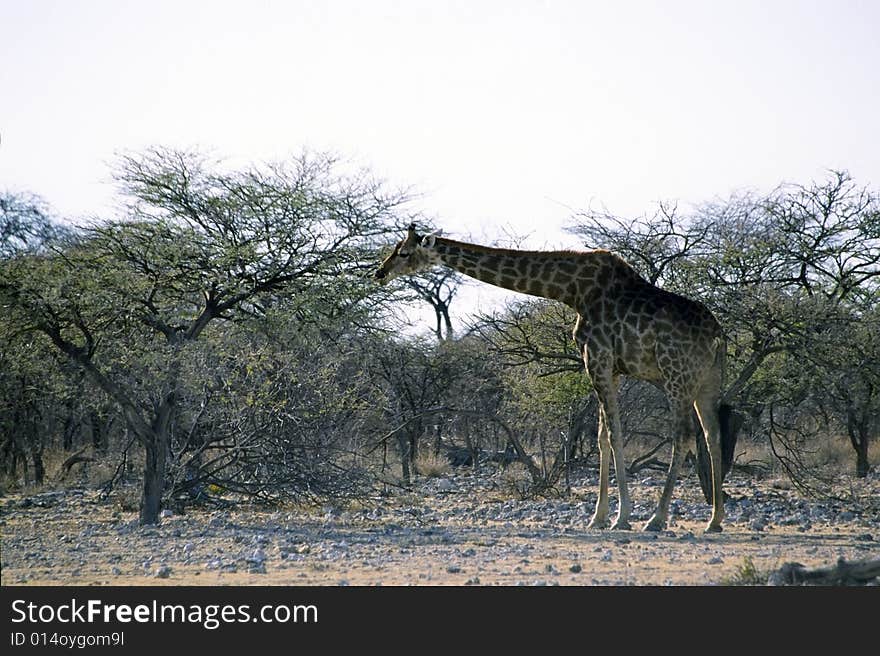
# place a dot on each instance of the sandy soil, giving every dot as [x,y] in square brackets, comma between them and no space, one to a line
[462,529]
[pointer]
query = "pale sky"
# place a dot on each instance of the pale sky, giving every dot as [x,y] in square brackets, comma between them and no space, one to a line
[505,115]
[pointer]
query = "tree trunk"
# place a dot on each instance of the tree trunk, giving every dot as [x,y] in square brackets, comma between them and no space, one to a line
[156,447]
[414,450]
[403,446]
[469,445]
[69,427]
[858,437]
[438,329]
[99,437]
[37,459]
[438,438]
[862,464]
[155,450]
[447,321]
[861,447]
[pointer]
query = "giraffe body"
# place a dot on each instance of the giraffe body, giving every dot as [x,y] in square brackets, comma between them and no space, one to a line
[625,326]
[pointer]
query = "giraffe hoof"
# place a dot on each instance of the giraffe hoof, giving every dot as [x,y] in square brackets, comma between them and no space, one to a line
[621,525]
[713,528]
[598,523]
[655,525]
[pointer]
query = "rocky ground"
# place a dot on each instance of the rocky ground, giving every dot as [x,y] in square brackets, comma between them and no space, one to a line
[461,529]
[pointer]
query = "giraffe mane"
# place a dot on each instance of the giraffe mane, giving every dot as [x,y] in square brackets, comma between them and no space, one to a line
[492,250]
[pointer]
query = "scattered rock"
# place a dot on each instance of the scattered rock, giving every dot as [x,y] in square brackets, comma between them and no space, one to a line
[96,541]
[444,485]
[757,524]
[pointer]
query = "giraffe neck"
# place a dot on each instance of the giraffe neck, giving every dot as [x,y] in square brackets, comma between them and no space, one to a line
[565,276]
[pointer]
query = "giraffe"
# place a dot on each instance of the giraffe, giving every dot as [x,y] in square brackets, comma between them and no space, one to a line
[625,327]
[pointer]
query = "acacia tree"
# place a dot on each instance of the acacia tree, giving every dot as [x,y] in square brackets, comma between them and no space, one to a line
[411,378]
[26,226]
[846,380]
[273,408]
[31,383]
[128,298]
[437,288]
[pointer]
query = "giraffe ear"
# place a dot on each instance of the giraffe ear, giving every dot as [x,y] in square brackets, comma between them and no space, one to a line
[428,241]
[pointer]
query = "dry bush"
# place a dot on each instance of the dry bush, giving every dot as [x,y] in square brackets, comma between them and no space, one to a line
[516,480]
[8,483]
[127,498]
[432,465]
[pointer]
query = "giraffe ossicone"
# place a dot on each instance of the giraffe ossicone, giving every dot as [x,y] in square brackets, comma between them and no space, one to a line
[625,327]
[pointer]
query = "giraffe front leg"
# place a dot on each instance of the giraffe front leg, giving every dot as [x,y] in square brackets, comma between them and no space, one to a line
[621,523]
[600,515]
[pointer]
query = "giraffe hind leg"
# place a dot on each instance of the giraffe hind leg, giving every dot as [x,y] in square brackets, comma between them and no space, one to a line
[680,431]
[707,410]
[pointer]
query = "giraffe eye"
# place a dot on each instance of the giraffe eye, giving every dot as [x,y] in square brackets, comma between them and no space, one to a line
[404,254]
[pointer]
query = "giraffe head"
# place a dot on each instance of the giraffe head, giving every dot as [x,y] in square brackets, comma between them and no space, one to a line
[411,254]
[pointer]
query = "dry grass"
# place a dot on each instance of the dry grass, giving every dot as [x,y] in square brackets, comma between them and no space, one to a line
[830,456]
[53,459]
[87,474]
[432,465]
[746,573]
[836,454]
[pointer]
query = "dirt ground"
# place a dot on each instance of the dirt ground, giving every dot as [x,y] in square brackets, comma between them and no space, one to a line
[461,529]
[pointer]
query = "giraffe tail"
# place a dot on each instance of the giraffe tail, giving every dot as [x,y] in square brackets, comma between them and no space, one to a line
[730,422]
